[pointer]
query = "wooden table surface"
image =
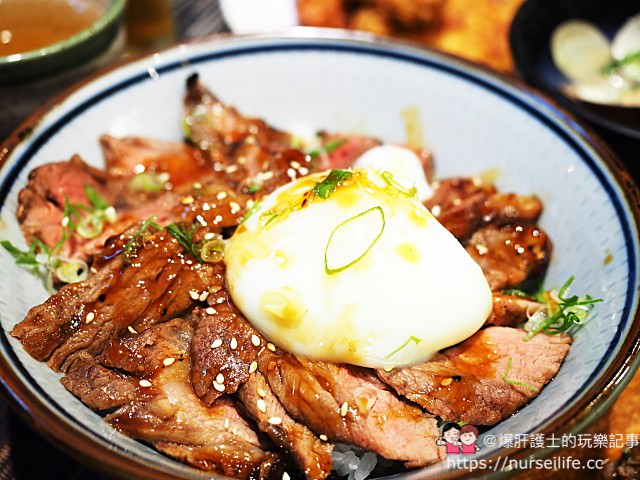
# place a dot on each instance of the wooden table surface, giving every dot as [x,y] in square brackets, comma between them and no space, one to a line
[24,455]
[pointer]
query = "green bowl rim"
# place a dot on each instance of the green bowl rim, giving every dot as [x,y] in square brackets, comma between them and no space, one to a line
[111,15]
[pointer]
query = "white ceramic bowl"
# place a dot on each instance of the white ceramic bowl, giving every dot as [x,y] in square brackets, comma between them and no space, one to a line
[473,121]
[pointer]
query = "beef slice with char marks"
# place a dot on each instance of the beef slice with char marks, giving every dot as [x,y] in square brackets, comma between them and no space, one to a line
[154,287]
[172,418]
[96,386]
[143,353]
[467,382]
[511,310]
[254,156]
[167,414]
[125,157]
[350,405]
[462,205]
[511,254]
[223,344]
[311,455]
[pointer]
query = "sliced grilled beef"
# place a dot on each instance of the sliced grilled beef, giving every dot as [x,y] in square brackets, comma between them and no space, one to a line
[467,382]
[511,254]
[155,285]
[98,387]
[463,205]
[143,353]
[224,344]
[248,462]
[312,455]
[254,156]
[511,310]
[344,150]
[350,405]
[458,203]
[170,416]
[125,157]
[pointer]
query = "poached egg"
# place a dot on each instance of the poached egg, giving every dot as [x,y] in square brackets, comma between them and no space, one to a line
[349,266]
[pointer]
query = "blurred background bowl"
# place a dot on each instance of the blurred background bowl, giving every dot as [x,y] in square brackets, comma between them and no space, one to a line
[75,50]
[530,36]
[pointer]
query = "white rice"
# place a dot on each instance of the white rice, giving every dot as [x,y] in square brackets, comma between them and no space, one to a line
[352,462]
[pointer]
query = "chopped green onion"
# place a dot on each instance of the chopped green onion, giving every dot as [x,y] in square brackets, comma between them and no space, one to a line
[615,65]
[278,212]
[149,182]
[561,314]
[187,121]
[342,230]
[254,208]
[90,227]
[96,201]
[212,251]
[413,339]
[519,384]
[254,188]
[330,147]
[72,271]
[185,238]
[326,187]
[133,243]
[389,180]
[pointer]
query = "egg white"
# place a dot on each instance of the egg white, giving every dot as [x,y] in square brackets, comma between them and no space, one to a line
[413,291]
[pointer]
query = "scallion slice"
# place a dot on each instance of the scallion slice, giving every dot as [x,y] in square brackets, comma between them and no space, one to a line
[350,241]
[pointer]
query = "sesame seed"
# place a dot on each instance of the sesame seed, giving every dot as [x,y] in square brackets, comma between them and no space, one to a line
[131,329]
[323,437]
[187,200]
[226,423]
[303,171]
[343,409]
[250,203]
[295,164]
[262,405]
[255,340]
[221,195]
[482,249]
[206,207]
[253,367]
[65,221]
[220,378]
[291,173]
[235,207]
[261,392]
[193,294]
[197,185]
[90,316]
[275,420]
[216,343]
[446,382]
[218,219]
[203,296]
[271,347]
[220,300]
[167,362]
[285,476]
[218,386]
[387,369]
[210,311]
[231,169]
[201,220]
[234,343]
[145,383]
[209,236]
[268,175]
[436,210]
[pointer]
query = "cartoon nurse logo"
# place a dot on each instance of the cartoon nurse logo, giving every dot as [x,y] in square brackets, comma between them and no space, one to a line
[468,438]
[459,440]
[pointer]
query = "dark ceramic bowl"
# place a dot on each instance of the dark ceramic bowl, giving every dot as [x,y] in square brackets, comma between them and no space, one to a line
[70,52]
[530,38]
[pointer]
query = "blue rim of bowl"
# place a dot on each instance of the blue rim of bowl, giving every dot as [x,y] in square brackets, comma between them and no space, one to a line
[588,404]
[111,15]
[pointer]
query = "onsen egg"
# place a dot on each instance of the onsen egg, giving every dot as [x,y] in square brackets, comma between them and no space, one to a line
[349,266]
